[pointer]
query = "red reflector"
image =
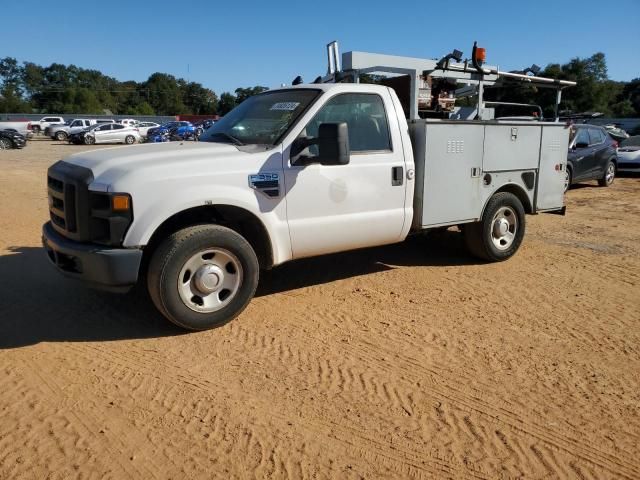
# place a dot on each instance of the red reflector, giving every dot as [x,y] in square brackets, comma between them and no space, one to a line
[558,167]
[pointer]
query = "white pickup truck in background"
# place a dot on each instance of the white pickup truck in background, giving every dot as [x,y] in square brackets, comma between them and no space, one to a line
[301,171]
[37,126]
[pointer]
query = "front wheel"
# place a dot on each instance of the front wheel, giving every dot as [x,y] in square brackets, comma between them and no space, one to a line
[5,144]
[609,175]
[499,234]
[61,136]
[89,140]
[130,140]
[203,276]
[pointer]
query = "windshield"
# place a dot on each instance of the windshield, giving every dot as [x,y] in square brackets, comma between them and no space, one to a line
[261,119]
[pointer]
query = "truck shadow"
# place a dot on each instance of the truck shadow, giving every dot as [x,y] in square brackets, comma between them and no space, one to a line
[438,249]
[39,305]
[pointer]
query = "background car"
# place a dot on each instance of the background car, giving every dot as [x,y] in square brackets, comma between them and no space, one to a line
[592,156]
[130,122]
[112,133]
[203,125]
[144,127]
[10,138]
[629,155]
[177,130]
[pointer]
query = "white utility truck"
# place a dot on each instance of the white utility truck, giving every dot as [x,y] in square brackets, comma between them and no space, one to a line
[306,170]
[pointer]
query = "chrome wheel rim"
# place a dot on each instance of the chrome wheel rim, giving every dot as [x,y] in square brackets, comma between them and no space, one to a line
[209,280]
[611,172]
[504,227]
[129,140]
[4,144]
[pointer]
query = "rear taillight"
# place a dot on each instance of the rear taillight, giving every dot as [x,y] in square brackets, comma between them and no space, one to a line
[29,127]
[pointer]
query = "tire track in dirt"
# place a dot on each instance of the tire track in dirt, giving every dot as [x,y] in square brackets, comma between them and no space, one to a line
[89,427]
[332,378]
[411,458]
[373,387]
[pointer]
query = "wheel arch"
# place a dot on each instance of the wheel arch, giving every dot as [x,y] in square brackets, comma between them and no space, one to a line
[516,190]
[236,218]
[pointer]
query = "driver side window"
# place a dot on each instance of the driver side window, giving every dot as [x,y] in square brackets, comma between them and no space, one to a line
[365,117]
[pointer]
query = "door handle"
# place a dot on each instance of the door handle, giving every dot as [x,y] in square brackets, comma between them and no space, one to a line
[397,176]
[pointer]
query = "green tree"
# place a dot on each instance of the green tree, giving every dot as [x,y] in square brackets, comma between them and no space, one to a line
[227,103]
[164,94]
[243,93]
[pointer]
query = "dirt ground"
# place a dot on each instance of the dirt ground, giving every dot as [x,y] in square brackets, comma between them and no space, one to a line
[412,360]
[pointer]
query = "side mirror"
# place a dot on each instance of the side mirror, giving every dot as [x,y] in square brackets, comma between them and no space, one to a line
[332,142]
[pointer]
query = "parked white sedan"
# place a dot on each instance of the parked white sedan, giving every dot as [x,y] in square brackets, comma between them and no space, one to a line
[112,133]
[629,155]
[143,127]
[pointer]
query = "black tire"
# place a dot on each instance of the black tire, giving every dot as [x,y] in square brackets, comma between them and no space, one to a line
[5,144]
[61,136]
[89,140]
[171,258]
[35,129]
[479,236]
[129,139]
[609,175]
[568,174]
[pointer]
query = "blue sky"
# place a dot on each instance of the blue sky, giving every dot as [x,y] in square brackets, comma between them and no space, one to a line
[233,44]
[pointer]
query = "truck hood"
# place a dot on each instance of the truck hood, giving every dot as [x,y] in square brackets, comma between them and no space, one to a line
[156,159]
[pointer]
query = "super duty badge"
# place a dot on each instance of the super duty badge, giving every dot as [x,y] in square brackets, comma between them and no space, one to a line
[267,183]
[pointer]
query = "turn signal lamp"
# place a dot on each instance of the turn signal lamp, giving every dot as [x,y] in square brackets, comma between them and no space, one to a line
[120,203]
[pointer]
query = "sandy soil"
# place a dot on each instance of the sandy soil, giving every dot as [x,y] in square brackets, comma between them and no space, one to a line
[406,361]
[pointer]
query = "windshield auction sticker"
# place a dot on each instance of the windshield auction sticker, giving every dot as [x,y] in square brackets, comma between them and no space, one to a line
[287,106]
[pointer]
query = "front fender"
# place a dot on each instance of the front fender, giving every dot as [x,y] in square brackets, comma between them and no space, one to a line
[151,209]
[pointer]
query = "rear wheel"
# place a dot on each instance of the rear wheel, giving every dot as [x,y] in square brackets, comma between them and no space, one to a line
[35,129]
[5,144]
[499,234]
[130,140]
[567,179]
[61,136]
[609,175]
[203,276]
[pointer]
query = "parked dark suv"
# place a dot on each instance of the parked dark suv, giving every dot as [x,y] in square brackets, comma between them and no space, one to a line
[592,156]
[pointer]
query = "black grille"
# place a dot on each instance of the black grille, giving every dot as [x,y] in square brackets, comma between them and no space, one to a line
[68,190]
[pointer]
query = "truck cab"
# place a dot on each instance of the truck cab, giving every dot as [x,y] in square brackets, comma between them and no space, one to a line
[291,173]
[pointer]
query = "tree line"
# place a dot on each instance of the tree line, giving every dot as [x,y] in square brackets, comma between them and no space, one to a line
[594,91]
[66,89]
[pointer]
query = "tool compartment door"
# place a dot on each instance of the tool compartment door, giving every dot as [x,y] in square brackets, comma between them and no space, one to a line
[553,166]
[452,173]
[511,147]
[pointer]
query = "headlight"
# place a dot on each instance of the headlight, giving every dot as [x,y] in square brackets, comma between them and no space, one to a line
[110,215]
